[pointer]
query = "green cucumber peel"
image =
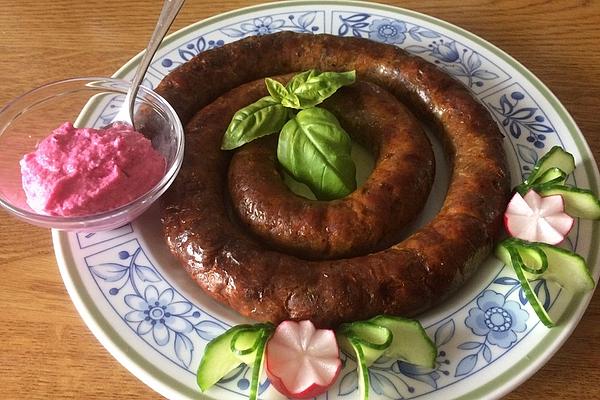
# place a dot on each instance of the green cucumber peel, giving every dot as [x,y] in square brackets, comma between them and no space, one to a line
[361,369]
[533,258]
[535,302]
[312,147]
[246,340]
[239,344]
[368,334]
[217,360]
[566,268]
[258,364]
[389,336]
[554,176]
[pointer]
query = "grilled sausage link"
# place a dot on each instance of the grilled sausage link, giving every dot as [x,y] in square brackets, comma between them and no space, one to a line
[267,285]
[368,219]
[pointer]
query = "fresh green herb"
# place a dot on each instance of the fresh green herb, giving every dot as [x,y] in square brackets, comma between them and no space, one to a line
[311,88]
[276,89]
[315,149]
[300,78]
[262,118]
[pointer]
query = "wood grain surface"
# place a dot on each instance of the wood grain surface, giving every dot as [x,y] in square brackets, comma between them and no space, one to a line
[46,351]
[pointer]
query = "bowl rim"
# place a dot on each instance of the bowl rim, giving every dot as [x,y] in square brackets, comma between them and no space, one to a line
[102,218]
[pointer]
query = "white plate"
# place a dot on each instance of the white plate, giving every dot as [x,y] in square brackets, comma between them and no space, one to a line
[113,277]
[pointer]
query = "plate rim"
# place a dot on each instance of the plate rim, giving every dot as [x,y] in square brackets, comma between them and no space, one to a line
[502,384]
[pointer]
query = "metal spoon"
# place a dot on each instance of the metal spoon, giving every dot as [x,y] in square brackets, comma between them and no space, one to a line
[168,13]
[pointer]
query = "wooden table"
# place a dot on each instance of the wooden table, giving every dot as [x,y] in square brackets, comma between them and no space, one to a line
[45,349]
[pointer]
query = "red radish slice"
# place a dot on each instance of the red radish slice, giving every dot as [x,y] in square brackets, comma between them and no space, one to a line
[301,361]
[537,219]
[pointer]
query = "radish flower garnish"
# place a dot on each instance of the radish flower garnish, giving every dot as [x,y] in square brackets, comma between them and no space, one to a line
[301,361]
[537,219]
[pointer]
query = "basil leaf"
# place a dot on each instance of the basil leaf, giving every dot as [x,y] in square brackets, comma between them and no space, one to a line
[315,150]
[300,78]
[262,118]
[276,89]
[311,87]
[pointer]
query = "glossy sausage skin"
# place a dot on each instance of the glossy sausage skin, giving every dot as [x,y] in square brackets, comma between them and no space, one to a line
[267,285]
[368,219]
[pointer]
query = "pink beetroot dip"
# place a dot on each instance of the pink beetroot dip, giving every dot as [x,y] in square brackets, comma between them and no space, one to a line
[77,172]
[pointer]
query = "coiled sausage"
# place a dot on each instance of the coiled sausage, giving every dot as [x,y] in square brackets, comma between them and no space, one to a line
[267,285]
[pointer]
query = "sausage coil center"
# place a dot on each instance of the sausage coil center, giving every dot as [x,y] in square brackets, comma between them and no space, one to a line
[369,219]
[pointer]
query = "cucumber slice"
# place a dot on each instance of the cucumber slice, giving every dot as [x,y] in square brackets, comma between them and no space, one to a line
[368,342]
[246,340]
[373,339]
[240,344]
[552,176]
[580,203]
[566,268]
[385,335]
[556,157]
[410,341]
[537,306]
[218,360]
[534,260]
[501,251]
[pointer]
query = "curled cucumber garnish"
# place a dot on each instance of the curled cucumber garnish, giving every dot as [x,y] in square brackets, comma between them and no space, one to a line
[389,336]
[240,344]
[567,269]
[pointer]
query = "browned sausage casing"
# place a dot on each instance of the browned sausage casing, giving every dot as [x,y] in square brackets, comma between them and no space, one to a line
[368,219]
[265,285]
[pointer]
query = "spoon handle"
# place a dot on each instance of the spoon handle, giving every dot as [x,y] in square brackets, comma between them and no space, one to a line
[167,15]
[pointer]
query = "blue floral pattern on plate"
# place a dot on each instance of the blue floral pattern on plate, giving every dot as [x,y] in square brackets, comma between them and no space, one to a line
[302,22]
[456,58]
[477,333]
[156,312]
[387,31]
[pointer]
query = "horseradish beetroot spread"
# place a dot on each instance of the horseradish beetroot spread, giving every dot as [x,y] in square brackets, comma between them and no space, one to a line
[77,172]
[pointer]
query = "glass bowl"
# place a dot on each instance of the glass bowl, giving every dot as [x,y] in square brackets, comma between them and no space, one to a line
[87,102]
